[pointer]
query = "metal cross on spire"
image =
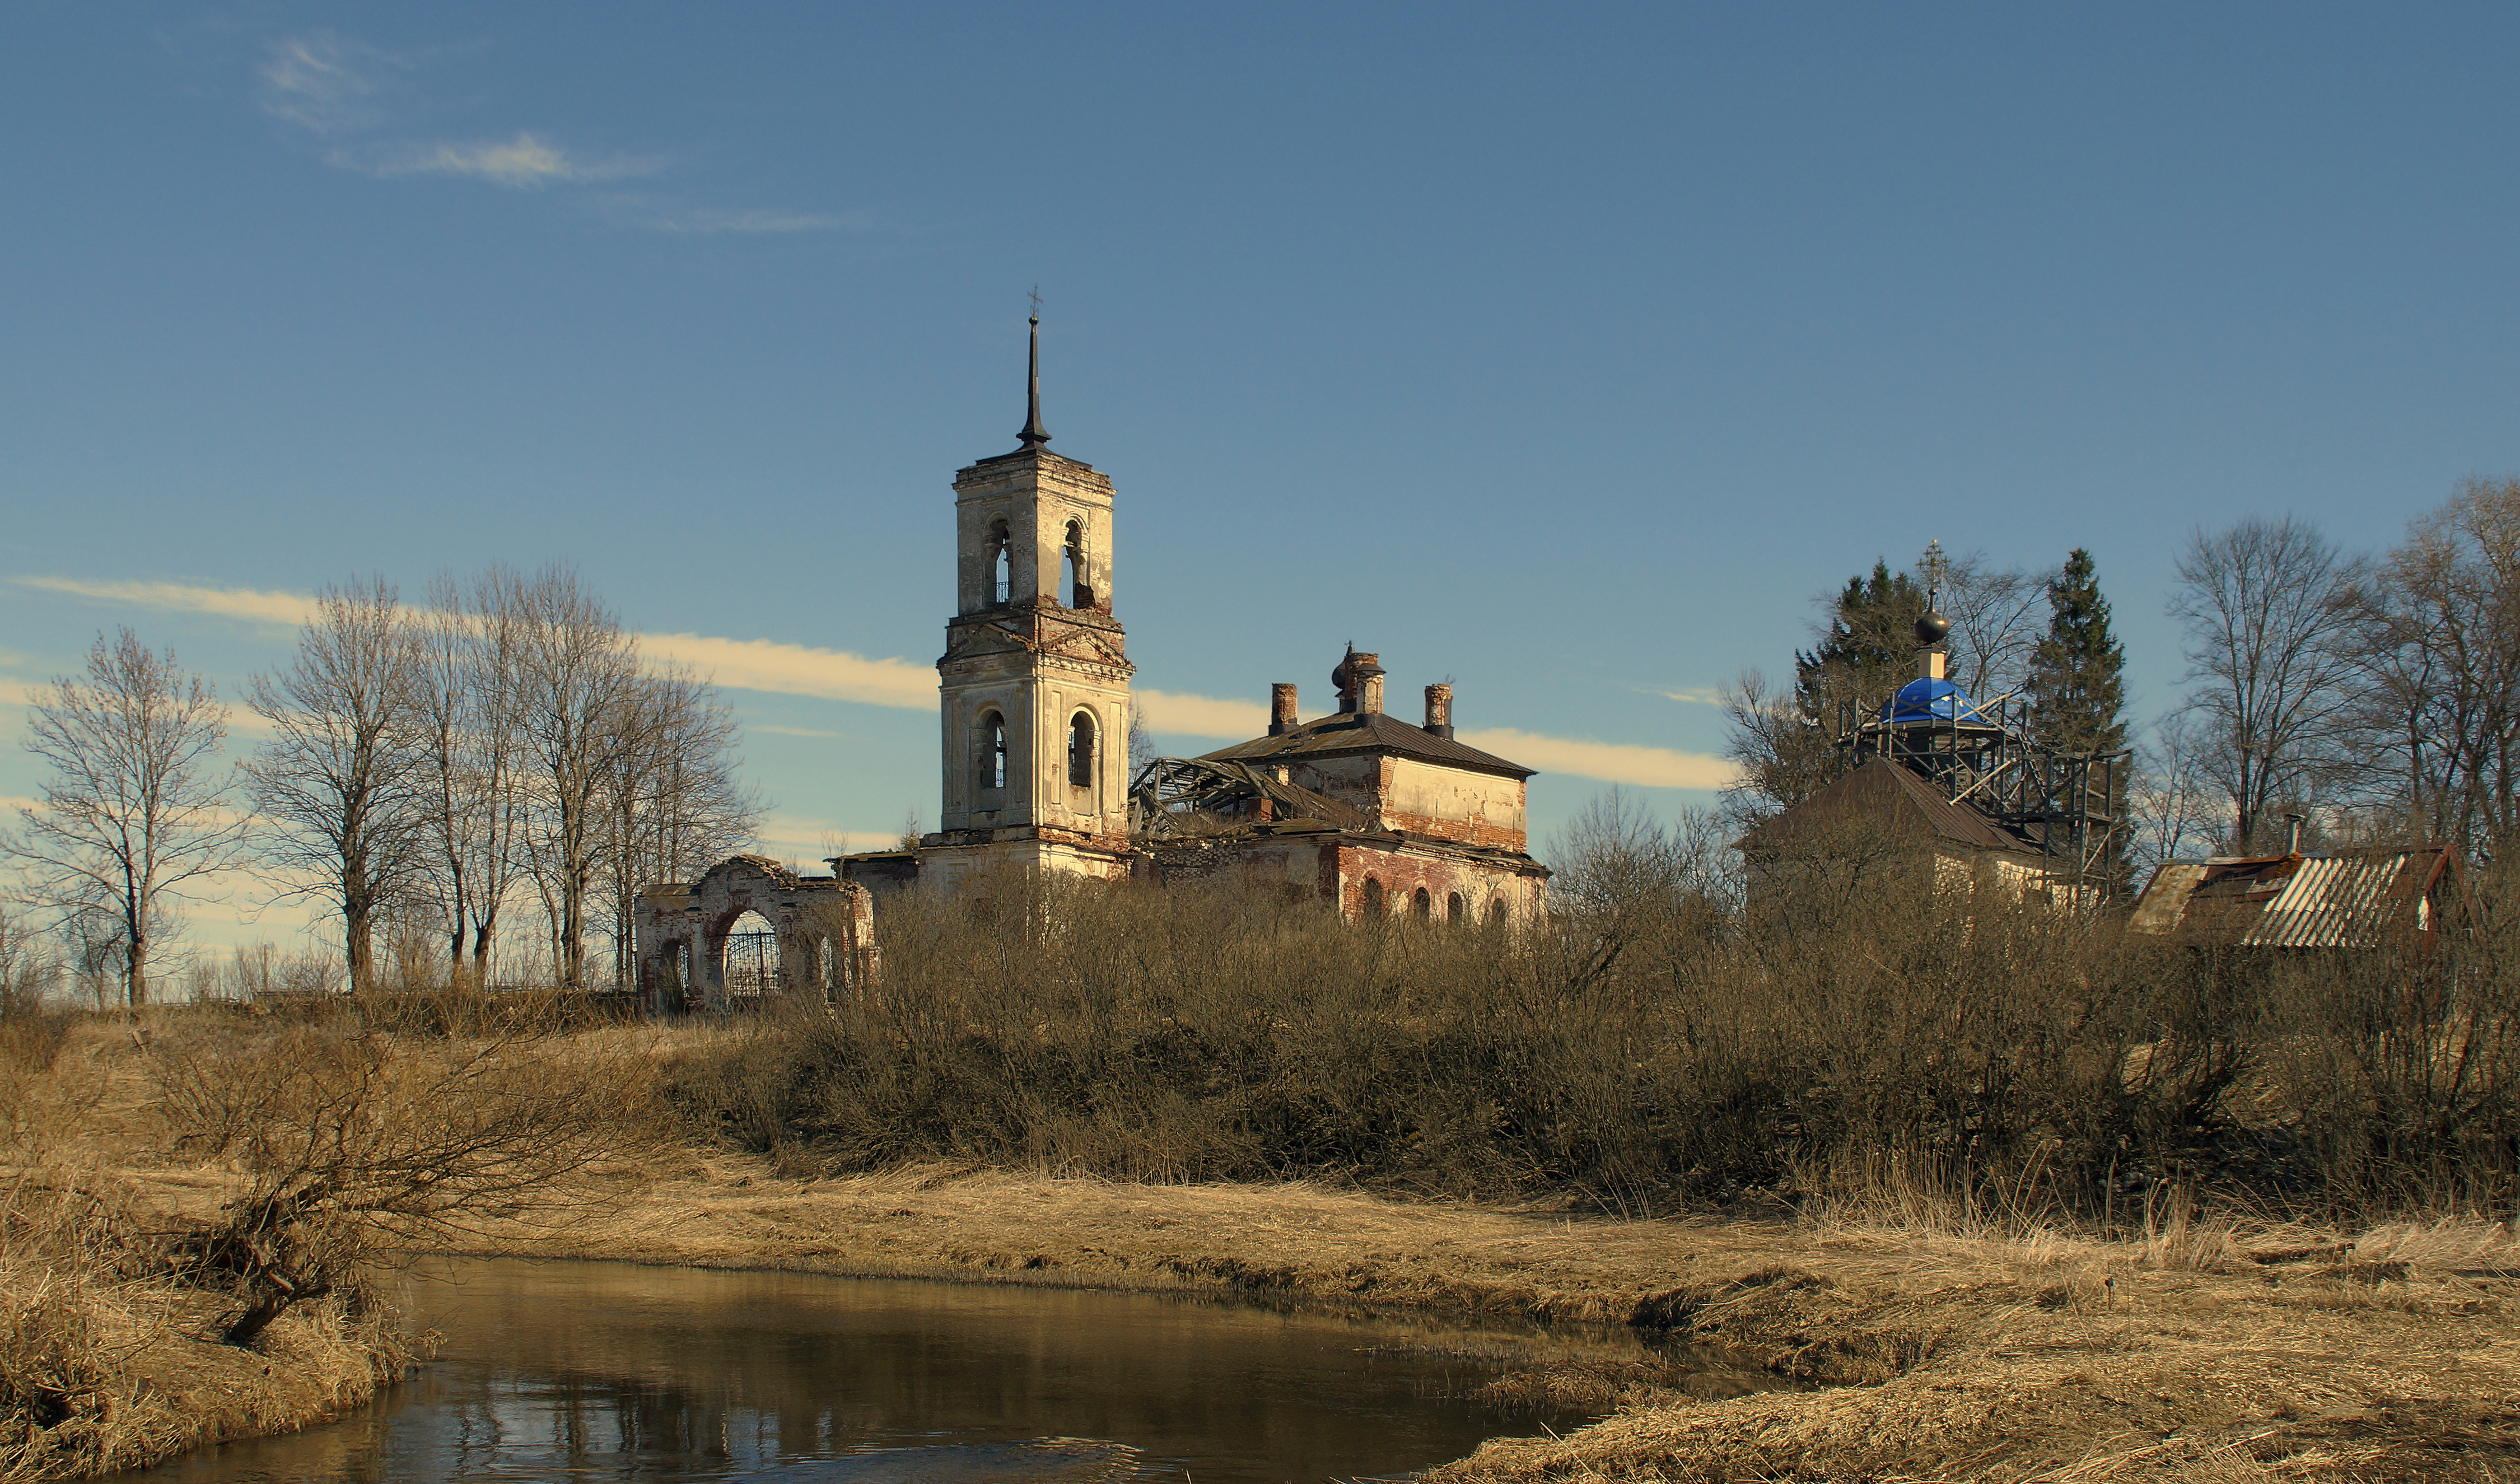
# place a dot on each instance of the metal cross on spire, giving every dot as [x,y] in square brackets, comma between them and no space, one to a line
[1034,436]
[1936,569]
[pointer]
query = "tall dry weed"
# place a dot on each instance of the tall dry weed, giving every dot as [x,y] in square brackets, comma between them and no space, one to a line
[1855,1036]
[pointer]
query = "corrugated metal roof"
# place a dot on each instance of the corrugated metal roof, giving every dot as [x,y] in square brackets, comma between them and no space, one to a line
[2288,901]
[1349,733]
[2331,902]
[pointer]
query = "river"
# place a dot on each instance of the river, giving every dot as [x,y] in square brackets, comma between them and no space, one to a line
[599,1370]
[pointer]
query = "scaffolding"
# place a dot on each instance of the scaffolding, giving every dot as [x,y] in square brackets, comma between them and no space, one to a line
[2059,804]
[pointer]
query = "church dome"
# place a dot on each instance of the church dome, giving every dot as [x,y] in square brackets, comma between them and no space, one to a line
[1932,702]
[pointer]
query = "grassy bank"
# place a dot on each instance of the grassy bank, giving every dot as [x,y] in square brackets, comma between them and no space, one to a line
[109,1350]
[194,1205]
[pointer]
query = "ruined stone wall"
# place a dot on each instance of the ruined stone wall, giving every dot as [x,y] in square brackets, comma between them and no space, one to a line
[826,930]
[1487,888]
[1450,803]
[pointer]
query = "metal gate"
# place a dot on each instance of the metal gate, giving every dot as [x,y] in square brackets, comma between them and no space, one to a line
[751,964]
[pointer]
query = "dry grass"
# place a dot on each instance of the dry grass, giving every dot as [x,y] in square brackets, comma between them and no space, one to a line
[1912,1326]
[120,1343]
[107,1363]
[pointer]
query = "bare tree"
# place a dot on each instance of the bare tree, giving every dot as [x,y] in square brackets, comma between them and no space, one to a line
[337,789]
[472,744]
[353,1146]
[2172,802]
[132,820]
[580,688]
[1997,615]
[673,803]
[2267,607]
[2437,709]
[1783,742]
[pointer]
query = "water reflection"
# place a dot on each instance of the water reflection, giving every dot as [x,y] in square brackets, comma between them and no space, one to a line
[596,1371]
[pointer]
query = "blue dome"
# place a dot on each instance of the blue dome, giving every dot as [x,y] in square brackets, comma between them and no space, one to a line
[1932,700]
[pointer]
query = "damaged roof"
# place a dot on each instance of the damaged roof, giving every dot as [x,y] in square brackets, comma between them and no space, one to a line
[2348,900]
[1344,734]
[1206,793]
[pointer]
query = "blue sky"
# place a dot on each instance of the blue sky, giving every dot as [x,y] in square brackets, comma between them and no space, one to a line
[1567,353]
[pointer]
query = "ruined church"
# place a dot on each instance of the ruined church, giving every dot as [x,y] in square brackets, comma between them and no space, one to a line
[1359,810]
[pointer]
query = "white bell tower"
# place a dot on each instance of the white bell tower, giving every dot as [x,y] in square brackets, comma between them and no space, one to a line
[1035,674]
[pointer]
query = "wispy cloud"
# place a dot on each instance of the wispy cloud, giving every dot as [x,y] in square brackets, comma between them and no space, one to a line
[362,99]
[526,162]
[796,669]
[815,733]
[1611,762]
[288,608]
[328,83]
[1695,696]
[793,669]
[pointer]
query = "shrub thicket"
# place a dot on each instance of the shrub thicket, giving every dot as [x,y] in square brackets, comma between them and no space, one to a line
[1653,1048]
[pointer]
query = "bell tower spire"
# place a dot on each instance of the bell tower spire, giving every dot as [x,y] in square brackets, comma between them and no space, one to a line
[1034,680]
[1034,436]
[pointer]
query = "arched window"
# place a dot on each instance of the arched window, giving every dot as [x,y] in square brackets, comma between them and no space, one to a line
[993,750]
[1422,906]
[1080,591]
[1373,897]
[1080,750]
[1455,910]
[1002,560]
[1495,913]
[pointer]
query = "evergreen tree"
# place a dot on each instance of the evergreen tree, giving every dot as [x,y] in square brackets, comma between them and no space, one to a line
[2077,693]
[2077,687]
[1870,643]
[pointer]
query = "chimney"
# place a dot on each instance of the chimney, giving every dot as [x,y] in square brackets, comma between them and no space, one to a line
[1281,708]
[1439,710]
[2292,845]
[1368,670]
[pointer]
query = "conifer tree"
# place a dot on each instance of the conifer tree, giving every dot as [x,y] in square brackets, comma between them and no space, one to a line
[2077,687]
[1871,639]
[2077,693]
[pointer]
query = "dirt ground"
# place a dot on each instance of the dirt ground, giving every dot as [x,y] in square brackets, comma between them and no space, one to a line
[2199,1353]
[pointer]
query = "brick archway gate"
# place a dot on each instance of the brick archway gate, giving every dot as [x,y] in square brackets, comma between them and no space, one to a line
[820,939]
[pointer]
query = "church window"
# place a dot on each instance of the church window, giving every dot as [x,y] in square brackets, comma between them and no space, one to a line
[1373,897]
[1001,578]
[1495,913]
[993,750]
[1080,592]
[1421,906]
[1455,909]
[1080,750]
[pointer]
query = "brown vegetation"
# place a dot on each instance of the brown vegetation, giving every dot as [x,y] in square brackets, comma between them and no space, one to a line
[1654,1055]
[1895,1185]
[194,1200]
